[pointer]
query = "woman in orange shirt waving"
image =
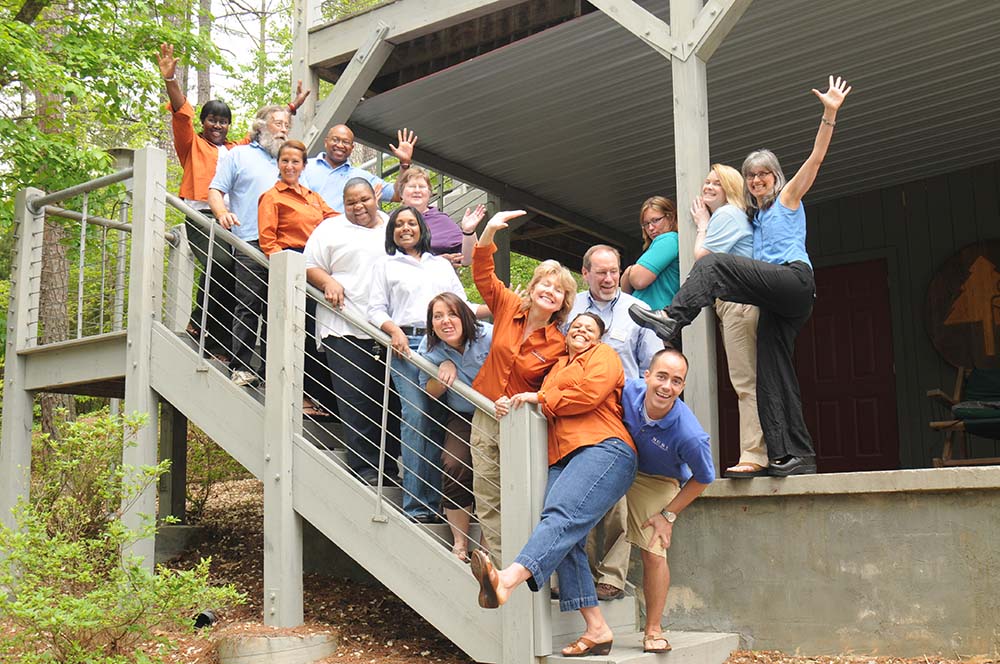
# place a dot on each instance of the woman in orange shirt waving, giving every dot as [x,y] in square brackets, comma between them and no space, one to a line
[592,462]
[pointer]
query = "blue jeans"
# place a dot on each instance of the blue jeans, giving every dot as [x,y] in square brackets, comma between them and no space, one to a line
[581,488]
[420,427]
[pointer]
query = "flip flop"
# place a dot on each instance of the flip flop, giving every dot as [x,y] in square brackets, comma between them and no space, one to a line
[756,470]
[482,569]
[649,643]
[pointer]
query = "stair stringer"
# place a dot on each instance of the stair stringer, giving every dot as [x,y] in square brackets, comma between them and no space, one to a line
[411,563]
[226,413]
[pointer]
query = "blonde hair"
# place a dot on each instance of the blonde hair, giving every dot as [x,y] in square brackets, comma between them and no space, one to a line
[732,185]
[411,173]
[664,206]
[564,280]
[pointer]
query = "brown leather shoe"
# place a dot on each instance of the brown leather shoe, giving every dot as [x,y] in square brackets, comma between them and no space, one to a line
[607,592]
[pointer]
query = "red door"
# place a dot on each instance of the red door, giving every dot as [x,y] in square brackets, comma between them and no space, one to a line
[844,360]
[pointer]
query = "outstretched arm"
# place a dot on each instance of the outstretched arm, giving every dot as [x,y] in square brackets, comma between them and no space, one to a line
[468,225]
[403,150]
[168,70]
[799,185]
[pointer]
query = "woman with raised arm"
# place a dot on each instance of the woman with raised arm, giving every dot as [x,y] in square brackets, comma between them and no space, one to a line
[592,462]
[656,276]
[526,343]
[720,217]
[778,279]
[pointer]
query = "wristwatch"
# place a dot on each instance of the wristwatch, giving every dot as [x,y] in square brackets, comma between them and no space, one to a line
[668,515]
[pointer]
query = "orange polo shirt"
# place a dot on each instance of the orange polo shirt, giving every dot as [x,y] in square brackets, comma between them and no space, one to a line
[511,366]
[198,156]
[287,216]
[582,400]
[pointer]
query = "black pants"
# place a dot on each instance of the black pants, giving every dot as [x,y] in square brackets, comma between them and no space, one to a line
[220,292]
[785,295]
[251,309]
[357,373]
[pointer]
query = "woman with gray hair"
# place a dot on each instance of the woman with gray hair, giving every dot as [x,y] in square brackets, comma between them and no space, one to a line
[778,279]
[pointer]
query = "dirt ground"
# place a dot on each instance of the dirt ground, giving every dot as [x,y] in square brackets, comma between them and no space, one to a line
[372,623]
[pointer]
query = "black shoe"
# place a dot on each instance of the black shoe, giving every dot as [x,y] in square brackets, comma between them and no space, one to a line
[554,592]
[792,465]
[658,321]
[427,519]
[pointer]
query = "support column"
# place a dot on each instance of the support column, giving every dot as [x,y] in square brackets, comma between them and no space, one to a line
[691,157]
[282,421]
[22,329]
[173,446]
[527,624]
[145,301]
[501,259]
[303,17]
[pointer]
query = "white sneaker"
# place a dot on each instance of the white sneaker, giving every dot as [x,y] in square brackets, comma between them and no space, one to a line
[241,378]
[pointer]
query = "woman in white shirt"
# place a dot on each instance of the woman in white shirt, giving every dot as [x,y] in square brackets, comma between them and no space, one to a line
[403,284]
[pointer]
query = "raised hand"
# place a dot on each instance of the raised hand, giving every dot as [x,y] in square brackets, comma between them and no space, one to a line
[167,61]
[472,218]
[834,96]
[406,140]
[500,220]
[300,95]
[700,214]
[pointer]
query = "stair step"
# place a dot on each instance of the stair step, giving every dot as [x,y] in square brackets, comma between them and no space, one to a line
[622,615]
[688,648]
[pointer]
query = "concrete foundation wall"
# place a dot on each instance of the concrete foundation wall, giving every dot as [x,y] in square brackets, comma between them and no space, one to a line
[892,563]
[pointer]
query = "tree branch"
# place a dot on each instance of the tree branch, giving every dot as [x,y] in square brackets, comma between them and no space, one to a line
[30,10]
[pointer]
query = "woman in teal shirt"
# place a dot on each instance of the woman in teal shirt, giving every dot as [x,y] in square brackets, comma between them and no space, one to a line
[656,276]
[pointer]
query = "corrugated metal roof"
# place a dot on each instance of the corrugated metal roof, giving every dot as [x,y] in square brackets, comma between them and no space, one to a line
[581,115]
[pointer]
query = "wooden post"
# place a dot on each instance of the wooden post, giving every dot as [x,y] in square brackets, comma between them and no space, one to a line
[144,307]
[527,628]
[282,421]
[22,330]
[180,282]
[173,446]
[691,156]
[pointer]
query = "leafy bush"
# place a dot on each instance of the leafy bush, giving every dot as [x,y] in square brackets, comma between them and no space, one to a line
[75,593]
[207,463]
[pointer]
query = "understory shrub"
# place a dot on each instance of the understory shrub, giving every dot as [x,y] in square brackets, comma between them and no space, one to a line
[75,594]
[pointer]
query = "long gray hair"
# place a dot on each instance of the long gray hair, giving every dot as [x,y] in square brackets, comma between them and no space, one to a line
[766,160]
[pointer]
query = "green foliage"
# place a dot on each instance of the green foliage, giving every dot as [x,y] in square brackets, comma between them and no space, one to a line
[207,463]
[338,9]
[75,593]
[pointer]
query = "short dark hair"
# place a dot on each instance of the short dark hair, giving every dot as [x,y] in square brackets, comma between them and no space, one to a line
[590,314]
[471,329]
[359,182]
[423,244]
[669,351]
[217,108]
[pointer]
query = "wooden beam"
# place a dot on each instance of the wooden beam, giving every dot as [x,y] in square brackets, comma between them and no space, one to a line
[711,27]
[347,93]
[643,24]
[332,43]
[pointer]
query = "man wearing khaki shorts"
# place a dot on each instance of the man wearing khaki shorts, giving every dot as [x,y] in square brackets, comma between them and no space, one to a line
[675,466]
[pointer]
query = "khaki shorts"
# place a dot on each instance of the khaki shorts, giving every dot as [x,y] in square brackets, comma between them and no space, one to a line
[647,496]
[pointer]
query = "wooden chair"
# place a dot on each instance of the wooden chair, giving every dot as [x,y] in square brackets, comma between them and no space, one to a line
[975,408]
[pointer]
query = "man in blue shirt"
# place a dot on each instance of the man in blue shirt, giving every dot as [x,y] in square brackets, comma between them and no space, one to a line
[329,171]
[607,548]
[246,172]
[675,467]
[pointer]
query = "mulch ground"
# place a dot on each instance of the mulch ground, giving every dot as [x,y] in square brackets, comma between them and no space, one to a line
[372,623]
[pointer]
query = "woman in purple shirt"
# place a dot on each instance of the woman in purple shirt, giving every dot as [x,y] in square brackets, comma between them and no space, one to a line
[447,239]
[778,279]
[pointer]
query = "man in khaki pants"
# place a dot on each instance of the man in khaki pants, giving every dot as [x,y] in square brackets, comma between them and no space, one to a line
[607,549]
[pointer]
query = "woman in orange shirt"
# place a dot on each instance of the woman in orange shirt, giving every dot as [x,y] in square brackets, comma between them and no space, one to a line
[592,462]
[287,214]
[526,343]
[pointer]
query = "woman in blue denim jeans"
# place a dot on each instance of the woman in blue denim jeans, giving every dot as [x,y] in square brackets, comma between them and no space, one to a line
[592,462]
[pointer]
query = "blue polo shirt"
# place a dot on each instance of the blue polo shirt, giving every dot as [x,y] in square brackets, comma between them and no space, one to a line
[779,234]
[329,182]
[246,172]
[674,446]
[468,362]
[729,232]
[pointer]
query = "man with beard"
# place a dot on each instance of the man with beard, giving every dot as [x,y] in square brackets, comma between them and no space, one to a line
[245,173]
[339,256]
[328,172]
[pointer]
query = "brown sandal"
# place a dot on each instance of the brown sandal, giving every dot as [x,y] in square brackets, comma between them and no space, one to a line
[649,643]
[482,569]
[584,646]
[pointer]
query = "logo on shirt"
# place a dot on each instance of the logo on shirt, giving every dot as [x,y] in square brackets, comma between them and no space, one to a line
[655,440]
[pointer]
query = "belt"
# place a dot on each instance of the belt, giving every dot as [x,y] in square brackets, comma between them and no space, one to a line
[412,330]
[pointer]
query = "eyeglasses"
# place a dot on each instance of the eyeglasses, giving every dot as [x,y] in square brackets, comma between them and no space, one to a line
[282,124]
[758,176]
[341,141]
[652,222]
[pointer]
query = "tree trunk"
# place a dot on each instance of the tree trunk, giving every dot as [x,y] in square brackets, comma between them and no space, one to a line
[205,32]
